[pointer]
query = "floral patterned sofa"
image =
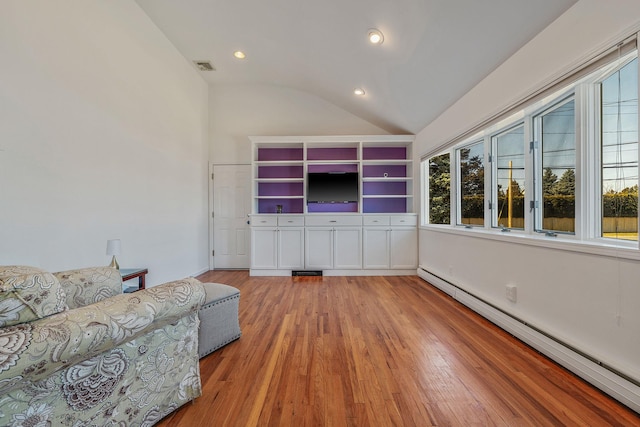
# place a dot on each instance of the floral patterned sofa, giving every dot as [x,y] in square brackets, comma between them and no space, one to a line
[76,351]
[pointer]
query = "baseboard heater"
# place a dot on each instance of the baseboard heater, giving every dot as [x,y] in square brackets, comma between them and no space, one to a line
[306,273]
[617,385]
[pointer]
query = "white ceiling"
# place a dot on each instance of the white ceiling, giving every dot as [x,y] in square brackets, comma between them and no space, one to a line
[434,50]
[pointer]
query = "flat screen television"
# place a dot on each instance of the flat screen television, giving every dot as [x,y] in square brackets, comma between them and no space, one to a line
[332,187]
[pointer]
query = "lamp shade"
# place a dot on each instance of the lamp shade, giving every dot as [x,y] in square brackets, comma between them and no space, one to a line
[113,247]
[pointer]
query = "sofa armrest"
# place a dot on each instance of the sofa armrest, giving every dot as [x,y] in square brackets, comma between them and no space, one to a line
[33,351]
[89,285]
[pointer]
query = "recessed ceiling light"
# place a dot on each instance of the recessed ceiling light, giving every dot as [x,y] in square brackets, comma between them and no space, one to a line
[375,36]
[358,91]
[239,54]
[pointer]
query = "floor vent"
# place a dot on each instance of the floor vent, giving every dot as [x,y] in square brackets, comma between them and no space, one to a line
[306,273]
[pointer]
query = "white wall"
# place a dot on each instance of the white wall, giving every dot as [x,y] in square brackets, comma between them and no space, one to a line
[589,301]
[239,111]
[103,134]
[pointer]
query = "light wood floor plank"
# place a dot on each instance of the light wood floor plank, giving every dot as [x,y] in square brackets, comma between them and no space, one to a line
[379,351]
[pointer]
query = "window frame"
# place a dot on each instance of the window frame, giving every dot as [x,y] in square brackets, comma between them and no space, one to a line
[596,86]
[538,165]
[459,182]
[494,195]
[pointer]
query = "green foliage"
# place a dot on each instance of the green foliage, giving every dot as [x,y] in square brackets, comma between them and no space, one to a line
[559,206]
[472,206]
[621,204]
[439,190]
[472,185]
[548,181]
[566,185]
[517,204]
[559,194]
[472,174]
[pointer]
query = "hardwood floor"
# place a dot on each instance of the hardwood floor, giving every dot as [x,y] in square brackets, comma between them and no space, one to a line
[379,351]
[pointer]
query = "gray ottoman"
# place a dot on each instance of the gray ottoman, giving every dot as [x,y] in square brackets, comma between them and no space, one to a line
[218,318]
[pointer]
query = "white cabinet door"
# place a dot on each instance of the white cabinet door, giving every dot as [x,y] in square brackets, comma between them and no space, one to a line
[291,248]
[347,247]
[318,244]
[375,244]
[264,248]
[404,248]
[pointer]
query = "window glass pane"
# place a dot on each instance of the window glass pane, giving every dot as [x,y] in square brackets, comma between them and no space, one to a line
[472,184]
[619,109]
[558,151]
[440,190]
[509,158]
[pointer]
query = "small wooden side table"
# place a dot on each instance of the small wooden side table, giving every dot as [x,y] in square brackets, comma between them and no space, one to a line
[132,273]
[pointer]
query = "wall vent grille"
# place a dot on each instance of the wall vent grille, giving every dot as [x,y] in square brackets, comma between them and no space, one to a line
[204,65]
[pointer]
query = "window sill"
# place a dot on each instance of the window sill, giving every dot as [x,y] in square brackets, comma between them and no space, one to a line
[540,240]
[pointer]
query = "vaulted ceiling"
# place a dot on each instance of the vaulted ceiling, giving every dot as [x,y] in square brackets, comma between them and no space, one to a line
[433,52]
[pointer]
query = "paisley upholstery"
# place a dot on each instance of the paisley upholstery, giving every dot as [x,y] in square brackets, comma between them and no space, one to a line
[125,360]
[28,293]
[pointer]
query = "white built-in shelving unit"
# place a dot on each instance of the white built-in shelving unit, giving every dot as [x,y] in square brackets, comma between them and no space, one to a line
[383,163]
[376,234]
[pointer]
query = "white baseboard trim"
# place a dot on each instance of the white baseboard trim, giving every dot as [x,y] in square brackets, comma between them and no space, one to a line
[197,273]
[591,371]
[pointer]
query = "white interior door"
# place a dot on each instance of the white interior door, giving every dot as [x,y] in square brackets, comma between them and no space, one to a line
[231,206]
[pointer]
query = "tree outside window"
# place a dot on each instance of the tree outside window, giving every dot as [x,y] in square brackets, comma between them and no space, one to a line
[440,189]
[471,188]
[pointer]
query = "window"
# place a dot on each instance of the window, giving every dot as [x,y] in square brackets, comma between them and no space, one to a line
[471,184]
[556,174]
[564,162]
[440,189]
[619,153]
[508,178]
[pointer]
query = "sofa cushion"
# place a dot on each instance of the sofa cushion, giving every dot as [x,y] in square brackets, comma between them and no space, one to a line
[28,293]
[89,285]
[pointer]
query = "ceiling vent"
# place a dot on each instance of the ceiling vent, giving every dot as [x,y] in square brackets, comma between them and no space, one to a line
[204,65]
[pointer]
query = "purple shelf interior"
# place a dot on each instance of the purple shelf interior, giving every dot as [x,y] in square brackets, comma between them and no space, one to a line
[340,167]
[280,188]
[380,188]
[384,206]
[332,207]
[378,171]
[283,189]
[384,153]
[280,154]
[268,206]
[332,154]
[280,172]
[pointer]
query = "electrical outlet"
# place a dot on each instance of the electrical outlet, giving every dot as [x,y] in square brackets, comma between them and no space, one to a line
[512,293]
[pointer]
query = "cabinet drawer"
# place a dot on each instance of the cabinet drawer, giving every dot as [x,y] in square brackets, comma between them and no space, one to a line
[264,220]
[291,221]
[404,220]
[333,220]
[375,220]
